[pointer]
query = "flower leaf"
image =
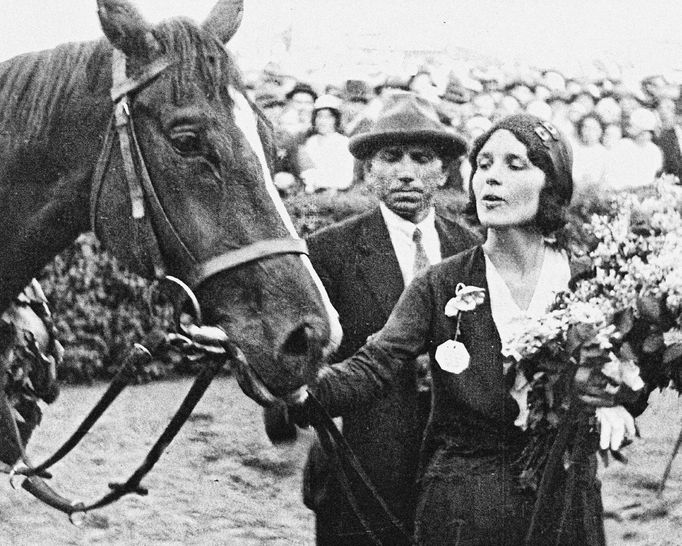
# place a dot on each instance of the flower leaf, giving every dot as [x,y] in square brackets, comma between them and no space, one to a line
[653,343]
[650,308]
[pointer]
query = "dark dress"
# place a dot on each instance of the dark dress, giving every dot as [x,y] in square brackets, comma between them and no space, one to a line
[467,480]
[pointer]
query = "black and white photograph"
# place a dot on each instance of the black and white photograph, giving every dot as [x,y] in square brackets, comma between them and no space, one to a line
[341,273]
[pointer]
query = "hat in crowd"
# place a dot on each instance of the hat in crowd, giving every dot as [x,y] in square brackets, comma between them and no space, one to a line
[407,118]
[477,125]
[457,93]
[539,137]
[392,82]
[356,91]
[642,120]
[269,100]
[301,87]
[327,101]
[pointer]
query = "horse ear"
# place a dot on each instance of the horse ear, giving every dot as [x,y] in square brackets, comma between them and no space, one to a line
[126,29]
[224,19]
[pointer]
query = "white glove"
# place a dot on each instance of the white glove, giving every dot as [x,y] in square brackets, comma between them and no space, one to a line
[616,424]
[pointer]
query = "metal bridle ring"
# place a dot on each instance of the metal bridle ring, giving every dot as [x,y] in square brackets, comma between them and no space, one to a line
[77,517]
[190,295]
[12,474]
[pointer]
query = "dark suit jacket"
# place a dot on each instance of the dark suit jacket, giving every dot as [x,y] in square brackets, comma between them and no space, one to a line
[672,158]
[358,267]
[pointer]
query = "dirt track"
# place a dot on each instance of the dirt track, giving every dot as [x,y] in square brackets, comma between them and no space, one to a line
[221,482]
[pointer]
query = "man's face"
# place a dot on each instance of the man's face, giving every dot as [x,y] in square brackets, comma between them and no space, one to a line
[303,104]
[405,177]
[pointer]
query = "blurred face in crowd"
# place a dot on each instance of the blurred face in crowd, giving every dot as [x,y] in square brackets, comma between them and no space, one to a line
[273,112]
[576,110]
[612,134]
[586,100]
[506,184]
[508,105]
[325,121]
[453,111]
[628,104]
[423,85]
[590,131]
[484,105]
[405,177]
[302,103]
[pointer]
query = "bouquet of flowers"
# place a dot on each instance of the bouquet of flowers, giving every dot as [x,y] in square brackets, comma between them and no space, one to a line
[615,335]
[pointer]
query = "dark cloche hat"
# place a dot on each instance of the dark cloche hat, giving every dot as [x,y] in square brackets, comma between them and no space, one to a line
[408,118]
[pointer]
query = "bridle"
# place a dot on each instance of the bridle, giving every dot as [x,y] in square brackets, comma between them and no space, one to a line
[155,225]
[151,224]
[208,340]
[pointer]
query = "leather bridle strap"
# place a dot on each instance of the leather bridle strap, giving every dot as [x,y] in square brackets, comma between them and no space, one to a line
[133,362]
[142,193]
[337,447]
[41,490]
[243,255]
[121,123]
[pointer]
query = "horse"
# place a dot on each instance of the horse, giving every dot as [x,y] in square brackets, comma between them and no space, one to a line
[194,199]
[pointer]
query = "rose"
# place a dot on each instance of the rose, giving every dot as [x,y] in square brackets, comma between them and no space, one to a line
[451,355]
[467,298]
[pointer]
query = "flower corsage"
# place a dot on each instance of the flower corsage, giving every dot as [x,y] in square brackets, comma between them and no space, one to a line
[452,356]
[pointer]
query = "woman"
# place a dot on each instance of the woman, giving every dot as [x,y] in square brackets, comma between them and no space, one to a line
[326,163]
[521,185]
[589,156]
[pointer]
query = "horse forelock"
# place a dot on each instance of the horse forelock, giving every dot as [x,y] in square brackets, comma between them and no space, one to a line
[201,60]
[198,59]
[34,87]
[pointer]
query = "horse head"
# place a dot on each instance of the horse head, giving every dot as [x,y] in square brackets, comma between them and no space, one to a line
[207,151]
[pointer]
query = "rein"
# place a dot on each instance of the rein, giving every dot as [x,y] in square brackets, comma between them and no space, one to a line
[336,446]
[208,340]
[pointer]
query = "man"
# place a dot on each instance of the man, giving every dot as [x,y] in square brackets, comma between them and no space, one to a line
[298,114]
[670,143]
[364,263]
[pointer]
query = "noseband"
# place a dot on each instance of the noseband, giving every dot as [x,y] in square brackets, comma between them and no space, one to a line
[157,225]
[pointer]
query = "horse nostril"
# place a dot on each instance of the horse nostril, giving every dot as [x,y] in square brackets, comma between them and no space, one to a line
[298,342]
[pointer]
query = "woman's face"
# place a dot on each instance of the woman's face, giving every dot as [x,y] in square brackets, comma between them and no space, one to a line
[325,122]
[506,184]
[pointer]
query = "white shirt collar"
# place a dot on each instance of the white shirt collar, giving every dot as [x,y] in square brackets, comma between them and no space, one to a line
[401,231]
[405,227]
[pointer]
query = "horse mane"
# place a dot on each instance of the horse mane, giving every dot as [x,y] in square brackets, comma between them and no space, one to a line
[34,86]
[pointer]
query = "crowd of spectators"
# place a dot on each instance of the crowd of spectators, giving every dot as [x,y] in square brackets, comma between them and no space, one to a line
[623,135]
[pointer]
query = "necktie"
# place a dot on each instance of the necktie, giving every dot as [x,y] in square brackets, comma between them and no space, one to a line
[421,260]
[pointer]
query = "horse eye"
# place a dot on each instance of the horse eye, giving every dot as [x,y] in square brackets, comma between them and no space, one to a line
[187,143]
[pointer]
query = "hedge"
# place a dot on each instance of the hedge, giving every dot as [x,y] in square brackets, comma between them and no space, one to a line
[100,309]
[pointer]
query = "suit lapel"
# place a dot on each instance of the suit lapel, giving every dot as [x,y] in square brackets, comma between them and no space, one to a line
[377,262]
[449,237]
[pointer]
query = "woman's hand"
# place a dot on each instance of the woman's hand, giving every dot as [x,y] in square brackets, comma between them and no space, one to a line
[616,425]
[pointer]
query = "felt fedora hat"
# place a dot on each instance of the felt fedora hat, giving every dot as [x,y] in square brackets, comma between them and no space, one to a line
[405,119]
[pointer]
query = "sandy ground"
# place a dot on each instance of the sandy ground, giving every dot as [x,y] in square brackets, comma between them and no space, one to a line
[221,482]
